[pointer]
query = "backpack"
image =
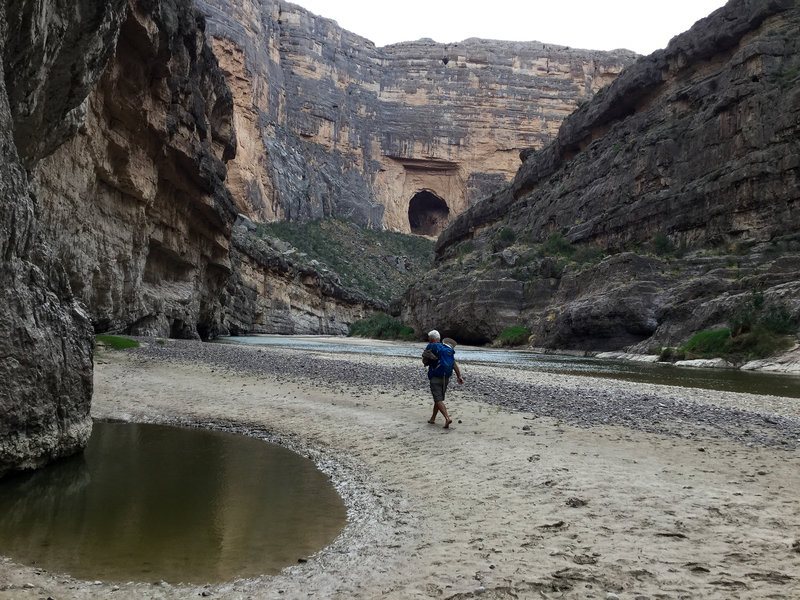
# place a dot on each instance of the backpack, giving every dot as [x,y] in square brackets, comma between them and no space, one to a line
[447,358]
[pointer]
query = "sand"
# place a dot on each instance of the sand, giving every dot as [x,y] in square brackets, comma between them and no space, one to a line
[504,504]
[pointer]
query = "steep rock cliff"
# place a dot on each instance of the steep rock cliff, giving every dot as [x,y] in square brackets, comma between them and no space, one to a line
[51,56]
[135,203]
[403,137]
[694,148]
[270,292]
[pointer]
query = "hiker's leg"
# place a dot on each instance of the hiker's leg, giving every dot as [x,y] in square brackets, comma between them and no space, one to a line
[435,412]
[438,388]
[441,406]
[443,409]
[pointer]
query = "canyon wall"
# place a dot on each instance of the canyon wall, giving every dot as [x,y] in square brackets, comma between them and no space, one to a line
[51,57]
[135,203]
[270,291]
[403,137]
[277,114]
[683,176]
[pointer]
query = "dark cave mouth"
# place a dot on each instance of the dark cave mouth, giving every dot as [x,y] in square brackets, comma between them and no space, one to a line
[427,213]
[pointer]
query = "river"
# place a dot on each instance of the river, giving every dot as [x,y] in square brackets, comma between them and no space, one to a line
[731,380]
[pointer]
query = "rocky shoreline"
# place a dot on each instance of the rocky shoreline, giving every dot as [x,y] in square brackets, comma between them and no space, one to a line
[596,403]
[546,485]
[787,363]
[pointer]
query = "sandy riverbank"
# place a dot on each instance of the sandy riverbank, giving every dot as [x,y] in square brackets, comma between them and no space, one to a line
[693,497]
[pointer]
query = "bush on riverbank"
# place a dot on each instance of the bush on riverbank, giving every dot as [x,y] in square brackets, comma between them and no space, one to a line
[513,336]
[756,332]
[114,342]
[381,326]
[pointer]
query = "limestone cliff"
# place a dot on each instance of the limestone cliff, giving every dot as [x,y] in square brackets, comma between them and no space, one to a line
[271,292]
[402,137]
[135,203]
[684,173]
[51,56]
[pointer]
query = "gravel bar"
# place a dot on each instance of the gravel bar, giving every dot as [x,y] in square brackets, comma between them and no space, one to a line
[588,406]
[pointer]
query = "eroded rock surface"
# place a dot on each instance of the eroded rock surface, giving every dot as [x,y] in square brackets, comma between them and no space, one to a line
[330,125]
[684,173]
[135,203]
[270,292]
[51,56]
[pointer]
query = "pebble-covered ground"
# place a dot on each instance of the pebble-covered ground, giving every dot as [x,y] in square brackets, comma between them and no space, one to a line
[590,405]
[546,485]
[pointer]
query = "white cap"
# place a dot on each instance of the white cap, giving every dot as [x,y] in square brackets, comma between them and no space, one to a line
[434,334]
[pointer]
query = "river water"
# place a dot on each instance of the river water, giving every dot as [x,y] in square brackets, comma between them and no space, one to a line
[732,380]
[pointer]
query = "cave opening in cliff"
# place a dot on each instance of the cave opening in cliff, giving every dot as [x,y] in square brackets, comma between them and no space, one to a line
[427,213]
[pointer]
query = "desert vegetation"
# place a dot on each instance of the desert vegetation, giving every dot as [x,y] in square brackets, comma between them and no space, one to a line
[381,326]
[378,264]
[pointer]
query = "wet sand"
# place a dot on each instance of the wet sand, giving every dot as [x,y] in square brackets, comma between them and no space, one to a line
[546,486]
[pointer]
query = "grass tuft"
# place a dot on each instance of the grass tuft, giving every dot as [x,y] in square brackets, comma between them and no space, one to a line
[708,344]
[114,342]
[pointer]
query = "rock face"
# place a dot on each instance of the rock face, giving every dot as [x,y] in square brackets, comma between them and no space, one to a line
[403,137]
[51,56]
[135,203]
[684,173]
[271,293]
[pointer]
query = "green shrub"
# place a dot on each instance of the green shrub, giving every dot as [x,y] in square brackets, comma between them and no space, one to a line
[774,319]
[662,245]
[557,245]
[465,248]
[115,342]
[708,344]
[778,320]
[670,354]
[587,255]
[743,320]
[381,326]
[758,342]
[508,236]
[513,336]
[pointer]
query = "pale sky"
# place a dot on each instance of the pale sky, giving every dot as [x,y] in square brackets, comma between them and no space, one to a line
[639,25]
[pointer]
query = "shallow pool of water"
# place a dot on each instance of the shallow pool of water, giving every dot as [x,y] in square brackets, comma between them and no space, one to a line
[151,503]
[659,373]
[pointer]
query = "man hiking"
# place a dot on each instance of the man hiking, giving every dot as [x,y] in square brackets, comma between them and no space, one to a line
[439,357]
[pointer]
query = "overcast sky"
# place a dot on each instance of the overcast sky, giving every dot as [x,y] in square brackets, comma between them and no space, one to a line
[639,25]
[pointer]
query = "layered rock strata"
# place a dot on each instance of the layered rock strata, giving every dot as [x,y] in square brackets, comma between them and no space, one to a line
[135,203]
[270,292]
[51,56]
[693,153]
[403,137]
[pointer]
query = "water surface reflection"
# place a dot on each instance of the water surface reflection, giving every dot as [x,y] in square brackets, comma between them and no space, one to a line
[150,502]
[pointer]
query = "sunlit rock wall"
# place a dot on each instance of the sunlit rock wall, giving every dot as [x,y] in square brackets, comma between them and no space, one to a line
[135,203]
[328,124]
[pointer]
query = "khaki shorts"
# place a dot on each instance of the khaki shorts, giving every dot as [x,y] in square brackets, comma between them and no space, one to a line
[438,388]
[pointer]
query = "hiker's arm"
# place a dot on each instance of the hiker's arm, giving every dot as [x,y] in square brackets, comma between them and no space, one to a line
[458,372]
